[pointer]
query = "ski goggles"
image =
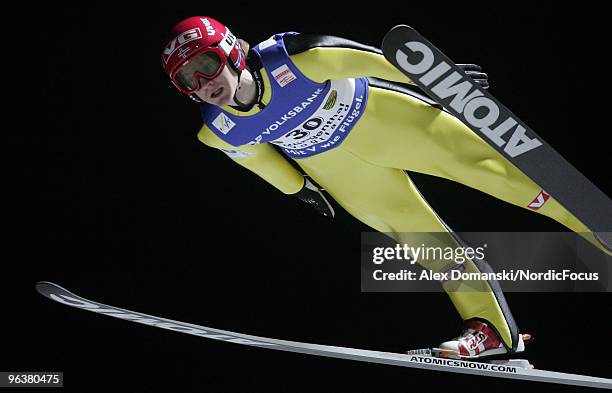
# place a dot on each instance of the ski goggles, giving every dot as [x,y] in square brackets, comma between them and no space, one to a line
[206,64]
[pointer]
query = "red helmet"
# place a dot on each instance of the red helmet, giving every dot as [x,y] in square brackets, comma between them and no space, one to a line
[199,47]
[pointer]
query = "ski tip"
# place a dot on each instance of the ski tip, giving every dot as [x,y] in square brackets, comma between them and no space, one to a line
[397,29]
[45,288]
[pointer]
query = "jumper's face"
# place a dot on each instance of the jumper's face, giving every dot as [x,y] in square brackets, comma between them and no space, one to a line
[220,90]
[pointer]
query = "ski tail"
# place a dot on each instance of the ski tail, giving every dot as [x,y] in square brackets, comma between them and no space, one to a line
[445,82]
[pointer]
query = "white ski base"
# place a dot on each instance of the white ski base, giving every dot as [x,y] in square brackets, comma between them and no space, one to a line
[61,295]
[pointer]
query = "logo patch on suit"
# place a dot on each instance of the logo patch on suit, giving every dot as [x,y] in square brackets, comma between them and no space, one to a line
[539,201]
[331,101]
[283,75]
[223,123]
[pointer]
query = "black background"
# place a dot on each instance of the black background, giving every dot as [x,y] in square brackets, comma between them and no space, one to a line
[117,201]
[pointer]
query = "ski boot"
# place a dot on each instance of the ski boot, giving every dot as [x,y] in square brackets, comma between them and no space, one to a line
[476,341]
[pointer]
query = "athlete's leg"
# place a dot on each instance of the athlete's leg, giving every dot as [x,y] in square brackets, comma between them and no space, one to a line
[400,131]
[388,201]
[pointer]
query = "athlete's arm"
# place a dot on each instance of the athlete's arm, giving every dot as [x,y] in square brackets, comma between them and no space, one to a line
[323,57]
[261,159]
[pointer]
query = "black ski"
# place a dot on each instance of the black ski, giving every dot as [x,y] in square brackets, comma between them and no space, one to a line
[421,360]
[443,81]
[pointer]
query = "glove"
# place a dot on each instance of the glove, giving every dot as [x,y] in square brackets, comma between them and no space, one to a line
[475,72]
[313,196]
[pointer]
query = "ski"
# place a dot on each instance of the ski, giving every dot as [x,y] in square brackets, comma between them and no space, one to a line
[420,360]
[443,81]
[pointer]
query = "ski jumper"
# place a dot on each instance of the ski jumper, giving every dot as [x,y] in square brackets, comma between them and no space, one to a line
[356,137]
